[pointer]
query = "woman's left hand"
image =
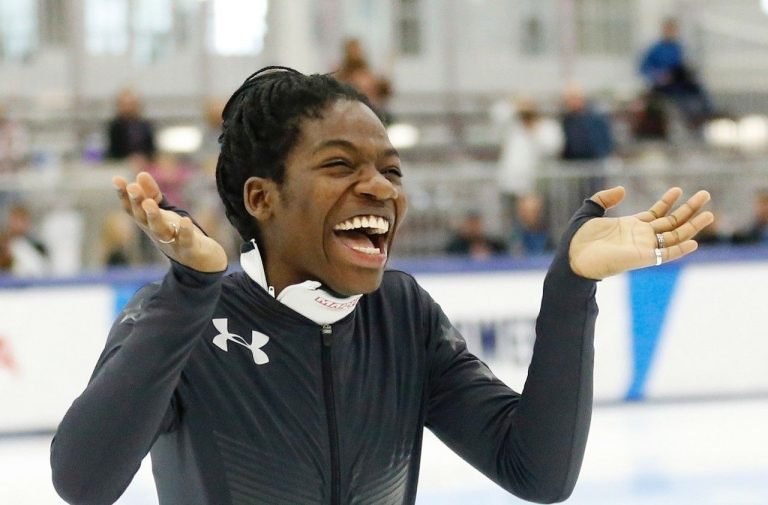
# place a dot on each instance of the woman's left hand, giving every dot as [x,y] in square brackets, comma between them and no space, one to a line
[608,246]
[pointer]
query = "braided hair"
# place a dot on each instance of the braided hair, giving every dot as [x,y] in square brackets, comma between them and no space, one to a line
[262,122]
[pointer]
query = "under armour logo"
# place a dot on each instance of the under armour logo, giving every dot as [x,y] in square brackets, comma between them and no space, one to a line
[258,340]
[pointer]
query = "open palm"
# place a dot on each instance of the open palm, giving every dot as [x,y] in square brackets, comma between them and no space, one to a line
[176,236]
[607,246]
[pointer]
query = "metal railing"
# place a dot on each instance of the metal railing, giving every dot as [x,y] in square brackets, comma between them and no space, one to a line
[441,195]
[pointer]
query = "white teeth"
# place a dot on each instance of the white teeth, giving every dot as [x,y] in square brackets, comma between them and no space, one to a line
[368,250]
[377,224]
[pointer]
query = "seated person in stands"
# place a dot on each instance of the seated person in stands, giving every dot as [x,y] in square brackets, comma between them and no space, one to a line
[14,143]
[587,131]
[649,118]
[471,239]
[530,234]
[29,257]
[588,136]
[757,231]
[129,132]
[119,240]
[6,259]
[667,73]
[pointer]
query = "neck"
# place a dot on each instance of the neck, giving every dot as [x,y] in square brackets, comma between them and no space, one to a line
[308,298]
[277,283]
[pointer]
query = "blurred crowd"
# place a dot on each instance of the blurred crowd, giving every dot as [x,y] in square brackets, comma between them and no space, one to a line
[581,135]
[187,180]
[529,139]
[32,245]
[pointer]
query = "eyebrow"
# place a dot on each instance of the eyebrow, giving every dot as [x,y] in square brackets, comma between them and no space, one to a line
[349,146]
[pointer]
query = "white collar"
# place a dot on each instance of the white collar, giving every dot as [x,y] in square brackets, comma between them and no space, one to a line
[307,298]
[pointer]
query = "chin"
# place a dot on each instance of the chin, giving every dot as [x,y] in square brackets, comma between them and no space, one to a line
[361,284]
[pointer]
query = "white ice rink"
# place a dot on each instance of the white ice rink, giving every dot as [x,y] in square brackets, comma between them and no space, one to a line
[707,453]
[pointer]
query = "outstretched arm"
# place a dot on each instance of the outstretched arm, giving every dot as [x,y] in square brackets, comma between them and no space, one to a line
[533,443]
[108,430]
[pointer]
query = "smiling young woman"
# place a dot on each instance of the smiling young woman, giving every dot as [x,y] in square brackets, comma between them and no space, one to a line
[341,175]
[337,365]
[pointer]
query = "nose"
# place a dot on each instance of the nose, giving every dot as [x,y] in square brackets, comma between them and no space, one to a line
[373,184]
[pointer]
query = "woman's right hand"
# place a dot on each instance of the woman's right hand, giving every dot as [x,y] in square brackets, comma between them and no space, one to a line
[176,236]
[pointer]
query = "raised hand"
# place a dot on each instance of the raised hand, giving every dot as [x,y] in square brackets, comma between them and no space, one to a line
[607,246]
[176,236]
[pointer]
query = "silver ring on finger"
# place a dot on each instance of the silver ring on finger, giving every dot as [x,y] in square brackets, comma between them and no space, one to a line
[660,240]
[659,257]
[173,237]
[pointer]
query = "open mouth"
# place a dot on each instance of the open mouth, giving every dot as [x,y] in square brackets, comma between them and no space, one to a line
[364,234]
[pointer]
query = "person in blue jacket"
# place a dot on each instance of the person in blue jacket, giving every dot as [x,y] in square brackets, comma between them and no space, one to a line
[667,73]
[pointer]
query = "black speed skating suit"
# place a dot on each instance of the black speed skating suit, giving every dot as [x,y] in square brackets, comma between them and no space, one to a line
[327,414]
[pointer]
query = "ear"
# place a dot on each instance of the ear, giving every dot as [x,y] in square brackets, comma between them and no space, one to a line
[259,195]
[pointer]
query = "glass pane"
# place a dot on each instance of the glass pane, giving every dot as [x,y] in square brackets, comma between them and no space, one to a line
[152,30]
[532,36]
[238,27]
[185,22]
[18,29]
[410,37]
[537,20]
[604,26]
[54,23]
[106,26]
[484,26]
[410,27]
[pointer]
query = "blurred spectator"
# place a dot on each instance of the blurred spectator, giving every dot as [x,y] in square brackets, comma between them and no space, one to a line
[588,137]
[208,153]
[29,257]
[118,240]
[170,172]
[129,133]
[668,74]
[352,58]
[649,118]
[355,70]
[14,143]
[587,132]
[528,142]
[530,235]
[471,239]
[6,259]
[173,175]
[757,231]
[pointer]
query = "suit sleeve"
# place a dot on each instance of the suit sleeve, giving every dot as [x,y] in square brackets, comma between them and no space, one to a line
[532,444]
[110,428]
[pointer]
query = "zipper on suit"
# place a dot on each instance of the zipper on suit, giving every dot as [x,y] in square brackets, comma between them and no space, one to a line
[330,409]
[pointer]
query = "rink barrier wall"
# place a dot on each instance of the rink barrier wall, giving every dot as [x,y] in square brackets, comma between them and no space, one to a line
[693,329]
